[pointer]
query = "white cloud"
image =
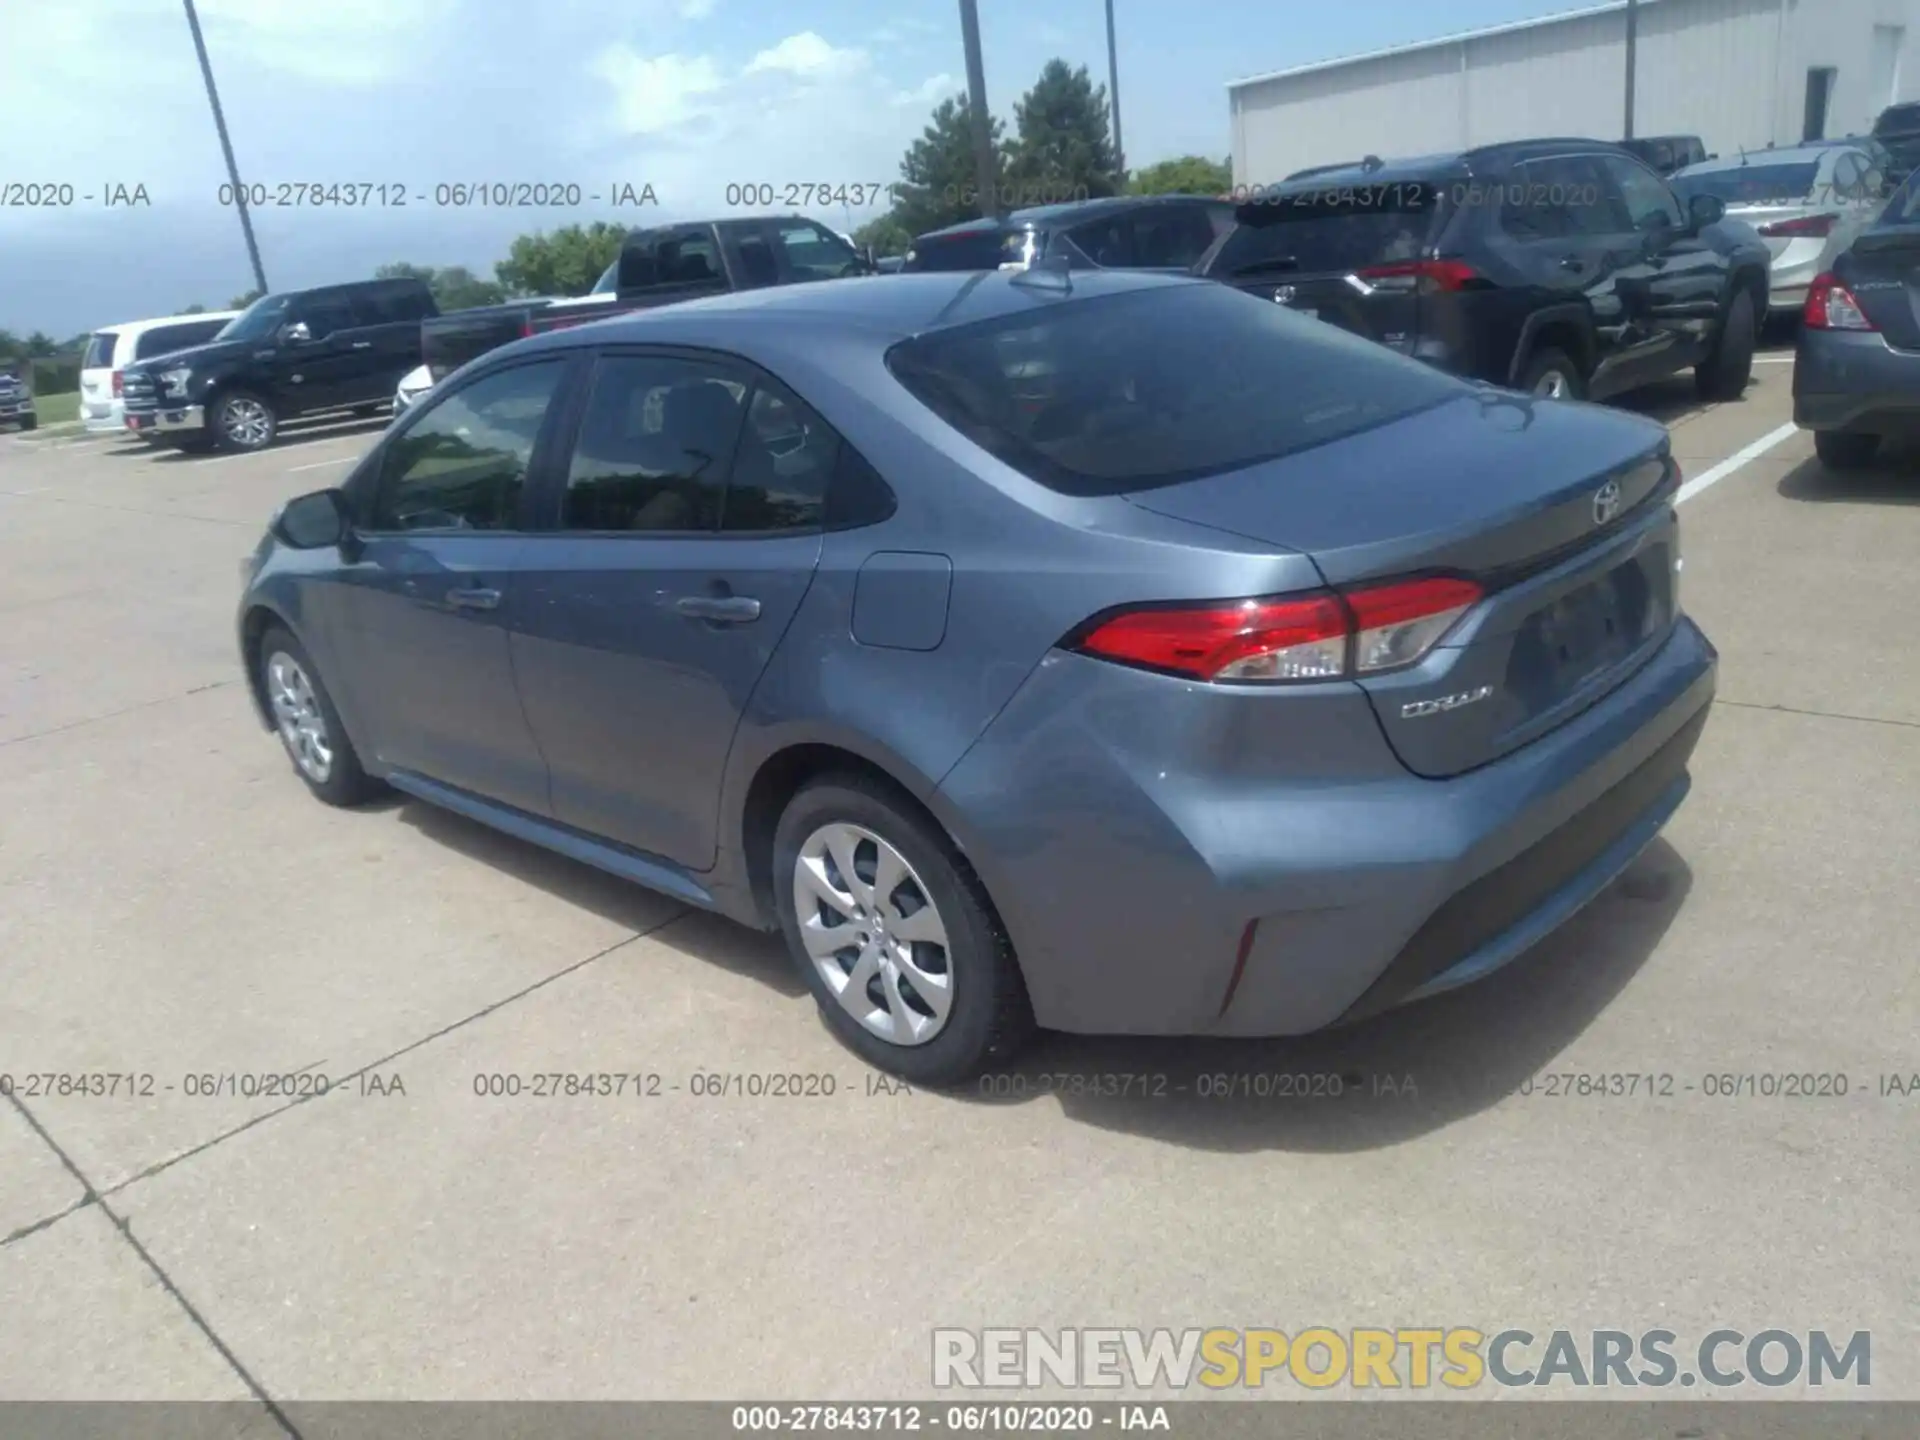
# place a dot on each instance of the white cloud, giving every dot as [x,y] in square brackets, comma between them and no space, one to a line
[346,42]
[651,95]
[808,56]
[930,91]
[695,9]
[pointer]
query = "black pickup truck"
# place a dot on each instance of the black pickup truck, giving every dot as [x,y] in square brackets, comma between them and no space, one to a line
[296,352]
[658,266]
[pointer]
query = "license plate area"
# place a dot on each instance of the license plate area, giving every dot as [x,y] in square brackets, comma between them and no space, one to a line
[1568,641]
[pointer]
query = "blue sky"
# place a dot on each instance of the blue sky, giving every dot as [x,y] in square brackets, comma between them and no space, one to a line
[687,95]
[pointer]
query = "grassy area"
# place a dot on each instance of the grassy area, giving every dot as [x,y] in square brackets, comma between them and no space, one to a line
[58,409]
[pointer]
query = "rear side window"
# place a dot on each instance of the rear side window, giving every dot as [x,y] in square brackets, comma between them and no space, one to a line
[1753,184]
[655,446]
[782,469]
[1560,198]
[463,464]
[1133,391]
[971,250]
[1331,231]
[165,339]
[1176,235]
[99,354]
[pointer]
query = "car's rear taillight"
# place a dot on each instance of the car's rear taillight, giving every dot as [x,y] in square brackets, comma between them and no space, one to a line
[1807,225]
[116,385]
[1831,306]
[1423,276]
[526,326]
[1319,636]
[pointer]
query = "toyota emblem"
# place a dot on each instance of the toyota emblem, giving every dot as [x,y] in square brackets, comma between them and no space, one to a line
[1606,502]
[1283,294]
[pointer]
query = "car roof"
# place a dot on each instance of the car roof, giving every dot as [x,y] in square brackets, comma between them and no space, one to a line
[1068,212]
[886,308]
[134,327]
[1779,155]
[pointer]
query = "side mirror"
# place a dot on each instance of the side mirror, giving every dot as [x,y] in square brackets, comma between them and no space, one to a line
[1705,210]
[869,259]
[296,333]
[314,521]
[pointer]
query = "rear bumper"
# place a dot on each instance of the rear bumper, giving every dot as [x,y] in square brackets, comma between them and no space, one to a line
[1853,380]
[1279,913]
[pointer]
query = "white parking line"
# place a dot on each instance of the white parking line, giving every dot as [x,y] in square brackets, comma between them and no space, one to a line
[322,464]
[1733,462]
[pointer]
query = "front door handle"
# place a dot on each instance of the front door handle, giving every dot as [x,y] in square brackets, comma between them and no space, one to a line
[363,345]
[724,609]
[1573,262]
[474,599]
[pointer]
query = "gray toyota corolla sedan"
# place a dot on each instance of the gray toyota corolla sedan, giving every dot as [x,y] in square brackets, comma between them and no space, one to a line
[1121,653]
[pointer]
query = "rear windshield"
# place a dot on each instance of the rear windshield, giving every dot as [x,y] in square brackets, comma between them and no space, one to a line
[974,250]
[1753,184]
[1334,230]
[99,354]
[1129,392]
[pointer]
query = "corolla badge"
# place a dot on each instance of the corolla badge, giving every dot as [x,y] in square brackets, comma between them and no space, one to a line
[1445,703]
[1606,502]
[1283,294]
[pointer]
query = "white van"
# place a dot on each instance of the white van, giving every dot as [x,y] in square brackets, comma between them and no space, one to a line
[114,347]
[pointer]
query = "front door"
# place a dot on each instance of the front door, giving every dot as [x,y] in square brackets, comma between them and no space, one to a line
[1671,281]
[685,532]
[315,372]
[428,599]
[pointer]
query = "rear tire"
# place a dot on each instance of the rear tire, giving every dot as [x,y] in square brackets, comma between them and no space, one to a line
[1552,375]
[949,989]
[1724,374]
[243,422]
[1845,449]
[307,724]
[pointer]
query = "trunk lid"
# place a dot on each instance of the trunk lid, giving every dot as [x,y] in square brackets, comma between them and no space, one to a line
[1305,244]
[1882,272]
[1507,491]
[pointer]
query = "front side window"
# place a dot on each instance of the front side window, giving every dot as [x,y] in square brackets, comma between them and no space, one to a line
[1650,204]
[324,315]
[259,320]
[463,464]
[655,446]
[816,254]
[1127,392]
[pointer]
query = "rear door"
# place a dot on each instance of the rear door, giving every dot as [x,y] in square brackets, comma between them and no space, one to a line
[682,534]
[1306,248]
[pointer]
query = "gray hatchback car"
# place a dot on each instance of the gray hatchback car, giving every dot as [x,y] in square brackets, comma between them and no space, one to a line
[1116,652]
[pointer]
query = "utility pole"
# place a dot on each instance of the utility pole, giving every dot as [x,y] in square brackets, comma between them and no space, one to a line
[226,147]
[984,168]
[1113,93]
[1633,45]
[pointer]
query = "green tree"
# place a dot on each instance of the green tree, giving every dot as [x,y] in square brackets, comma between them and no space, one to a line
[1188,175]
[39,345]
[194,309]
[566,262]
[938,179]
[1062,146]
[454,287]
[244,299]
[885,234]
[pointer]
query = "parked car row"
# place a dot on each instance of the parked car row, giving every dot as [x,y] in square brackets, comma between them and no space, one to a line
[16,401]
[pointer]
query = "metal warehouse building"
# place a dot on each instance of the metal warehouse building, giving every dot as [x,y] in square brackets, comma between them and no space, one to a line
[1734,72]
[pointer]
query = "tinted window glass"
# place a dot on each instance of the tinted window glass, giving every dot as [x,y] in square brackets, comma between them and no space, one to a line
[655,446]
[1649,203]
[463,463]
[1330,231]
[99,354]
[1107,243]
[1896,118]
[1562,198]
[260,319]
[782,469]
[1903,208]
[757,265]
[609,280]
[858,496]
[688,259]
[816,254]
[1127,392]
[1173,235]
[165,339]
[323,316]
[971,250]
[1753,184]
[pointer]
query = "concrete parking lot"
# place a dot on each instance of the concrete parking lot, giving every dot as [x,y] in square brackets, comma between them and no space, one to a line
[173,905]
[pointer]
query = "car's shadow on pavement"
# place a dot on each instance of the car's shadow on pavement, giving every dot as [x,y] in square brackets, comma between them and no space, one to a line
[291,438]
[1893,479]
[1377,1083]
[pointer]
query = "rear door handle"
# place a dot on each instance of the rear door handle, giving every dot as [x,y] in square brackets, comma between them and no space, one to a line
[725,609]
[474,599]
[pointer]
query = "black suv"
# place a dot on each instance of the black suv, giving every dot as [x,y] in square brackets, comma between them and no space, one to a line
[1124,232]
[1562,267]
[1898,129]
[339,347]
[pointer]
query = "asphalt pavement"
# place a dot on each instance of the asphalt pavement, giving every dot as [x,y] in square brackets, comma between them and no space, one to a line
[175,909]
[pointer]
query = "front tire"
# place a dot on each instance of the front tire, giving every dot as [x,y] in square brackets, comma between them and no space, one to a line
[29,422]
[1724,374]
[307,723]
[243,422]
[1845,449]
[894,934]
